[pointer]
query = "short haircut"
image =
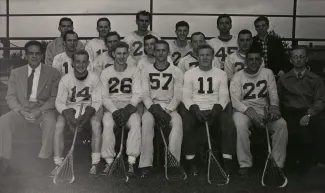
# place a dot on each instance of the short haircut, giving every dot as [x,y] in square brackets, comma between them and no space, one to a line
[143,12]
[261,18]
[197,33]
[65,19]
[245,31]
[256,47]
[182,24]
[205,46]
[103,19]
[120,45]
[80,52]
[305,48]
[69,32]
[148,37]
[163,42]
[33,43]
[224,16]
[112,33]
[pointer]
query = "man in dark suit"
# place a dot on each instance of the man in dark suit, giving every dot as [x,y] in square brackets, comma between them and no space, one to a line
[31,94]
[274,54]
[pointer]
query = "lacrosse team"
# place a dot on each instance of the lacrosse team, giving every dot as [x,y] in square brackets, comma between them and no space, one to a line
[146,84]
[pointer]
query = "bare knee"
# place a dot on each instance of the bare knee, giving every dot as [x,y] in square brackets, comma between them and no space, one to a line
[60,124]
[96,126]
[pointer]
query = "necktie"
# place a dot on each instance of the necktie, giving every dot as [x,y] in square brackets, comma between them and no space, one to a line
[299,75]
[30,83]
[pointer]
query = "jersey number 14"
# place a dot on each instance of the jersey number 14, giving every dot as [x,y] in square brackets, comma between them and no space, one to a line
[82,93]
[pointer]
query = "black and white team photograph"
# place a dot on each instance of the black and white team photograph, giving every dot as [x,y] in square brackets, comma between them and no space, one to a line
[176,96]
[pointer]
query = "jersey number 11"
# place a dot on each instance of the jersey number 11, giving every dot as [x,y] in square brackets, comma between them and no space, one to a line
[201,90]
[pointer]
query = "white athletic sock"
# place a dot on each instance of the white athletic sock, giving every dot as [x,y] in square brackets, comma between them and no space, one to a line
[58,160]
[189,157]
[227,156]
[109,160]
[95,157]
[131,159]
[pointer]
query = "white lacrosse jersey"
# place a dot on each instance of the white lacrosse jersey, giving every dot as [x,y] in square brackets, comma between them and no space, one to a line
[205,88]
[63,63]
[72,92]
[177,52]
[190,61]
[234,63]
[253,90]
[162,87]
[223,48]
[95,47]
[136,44]
[120,88]
[104,60]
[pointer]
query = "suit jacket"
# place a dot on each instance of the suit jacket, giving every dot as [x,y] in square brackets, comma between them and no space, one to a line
[276,56]
[46,91]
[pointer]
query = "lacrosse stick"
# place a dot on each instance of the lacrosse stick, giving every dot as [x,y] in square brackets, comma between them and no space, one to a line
[117,170]
[65,172]
[171,162]
[272,174]
[215,172]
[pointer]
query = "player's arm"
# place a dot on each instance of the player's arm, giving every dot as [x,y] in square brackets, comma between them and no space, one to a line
[178,86]
[107,102]
[216,63]
[136,88]
[96,96]
[181,65]
[146,88]
[57,63]
[272,90]
[236,96]
[63,94]
[187,91]
[90,51]
[229,68]
[49,55]
[223,90]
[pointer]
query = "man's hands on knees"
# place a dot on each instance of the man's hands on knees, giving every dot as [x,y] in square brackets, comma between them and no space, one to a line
[83,119]
[257,119]
[213,113]
[195,110]
[161,116]
[68,115]
[127,111]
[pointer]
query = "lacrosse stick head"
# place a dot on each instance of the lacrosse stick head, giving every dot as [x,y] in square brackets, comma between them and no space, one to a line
[273,176]
[216,174]
[65,171]
[173,169]
[118,170]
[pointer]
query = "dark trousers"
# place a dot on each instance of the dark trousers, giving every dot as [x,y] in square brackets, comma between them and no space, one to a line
[305,144]
[222,133]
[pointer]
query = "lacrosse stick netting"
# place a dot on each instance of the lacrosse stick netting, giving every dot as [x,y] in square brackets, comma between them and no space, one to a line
[65,173]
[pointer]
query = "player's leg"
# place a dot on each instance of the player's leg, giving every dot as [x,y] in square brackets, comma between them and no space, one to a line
[244,156]
[279,135]
[190,127]
[47,124]
[58,143]
[228,138]
[96,140]
[108,144]
[147,134]
[176,135]
[133,141]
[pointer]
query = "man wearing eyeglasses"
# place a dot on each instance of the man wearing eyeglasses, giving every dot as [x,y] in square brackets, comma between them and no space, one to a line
[302,101]
[32,90]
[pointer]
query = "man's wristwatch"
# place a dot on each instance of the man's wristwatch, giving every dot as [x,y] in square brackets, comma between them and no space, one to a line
[308,115]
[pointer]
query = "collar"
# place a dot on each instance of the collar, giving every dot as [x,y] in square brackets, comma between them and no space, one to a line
[302,73]
[240,55]
[265,39]
[38,69]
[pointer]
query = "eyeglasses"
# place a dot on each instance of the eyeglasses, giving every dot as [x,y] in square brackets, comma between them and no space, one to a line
[34,53]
